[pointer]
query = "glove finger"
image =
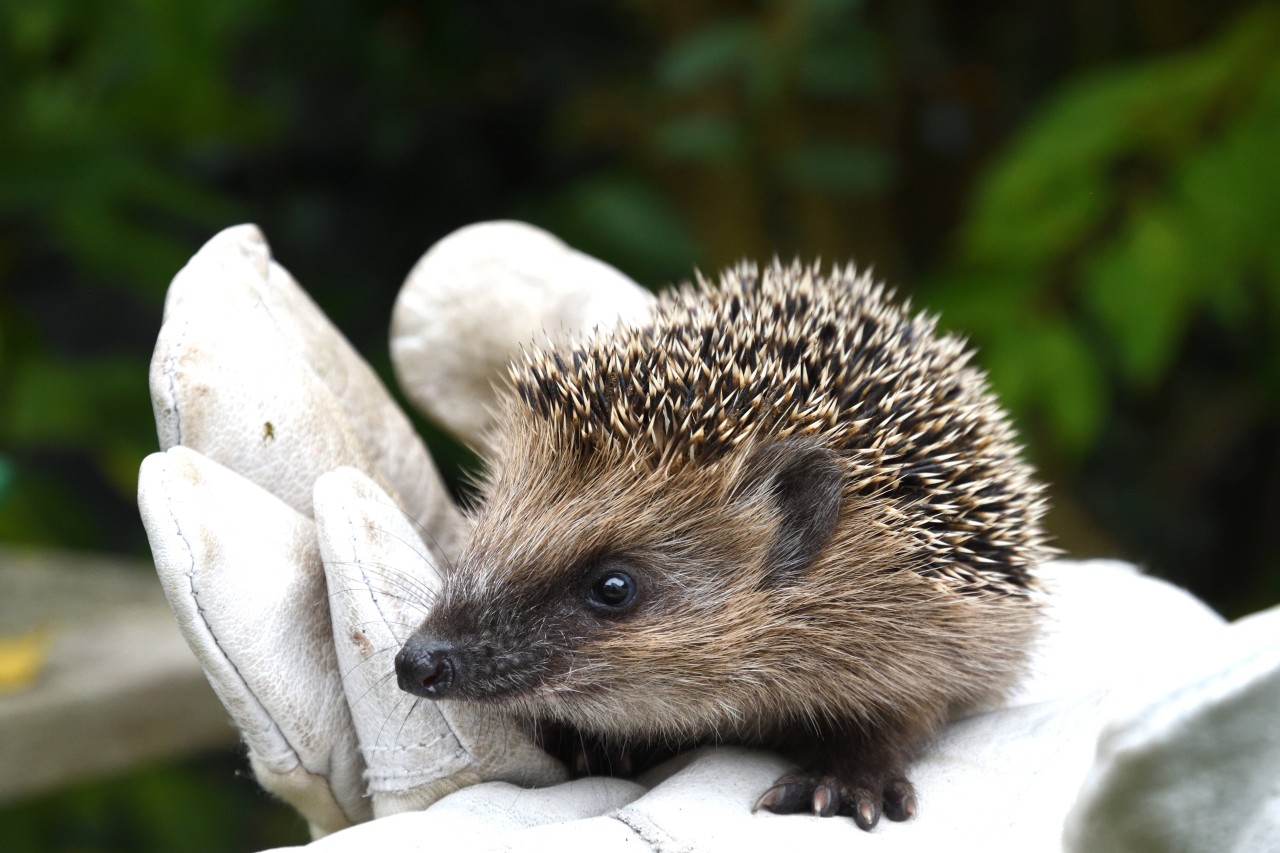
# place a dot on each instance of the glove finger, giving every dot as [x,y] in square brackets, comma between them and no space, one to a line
[242,573]
[479,295]
[498,816]
[382,578]
[249,371]
[1204,723]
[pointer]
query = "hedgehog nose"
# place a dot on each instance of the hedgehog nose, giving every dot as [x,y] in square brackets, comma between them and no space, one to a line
[426,667]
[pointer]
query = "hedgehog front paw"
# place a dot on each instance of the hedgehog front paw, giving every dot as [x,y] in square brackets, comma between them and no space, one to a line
[585,754]
[862,797]
[591,757]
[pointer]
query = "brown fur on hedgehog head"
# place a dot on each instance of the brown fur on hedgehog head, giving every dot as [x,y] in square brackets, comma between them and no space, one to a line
[786,502]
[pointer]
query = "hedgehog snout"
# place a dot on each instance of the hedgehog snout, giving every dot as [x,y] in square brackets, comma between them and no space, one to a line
[427,667]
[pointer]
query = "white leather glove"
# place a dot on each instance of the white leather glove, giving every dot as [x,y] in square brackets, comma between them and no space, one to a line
[1189,759]
[478,296]
[248,371]
[242,572]
[256,395]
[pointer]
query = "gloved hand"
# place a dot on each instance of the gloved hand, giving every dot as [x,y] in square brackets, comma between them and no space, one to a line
[256,395]
[1175,703]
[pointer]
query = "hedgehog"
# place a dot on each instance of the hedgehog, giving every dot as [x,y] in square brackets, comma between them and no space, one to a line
[784,511]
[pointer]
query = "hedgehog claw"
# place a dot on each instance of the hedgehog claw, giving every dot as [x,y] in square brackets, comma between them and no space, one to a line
[865,800]
[866,813]
[825,800]
[899,800]
[785,798]
[769,799]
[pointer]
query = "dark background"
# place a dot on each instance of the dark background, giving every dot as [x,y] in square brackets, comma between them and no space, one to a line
[1090,191]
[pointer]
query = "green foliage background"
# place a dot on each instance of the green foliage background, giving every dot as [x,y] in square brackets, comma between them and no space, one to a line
[1090,190]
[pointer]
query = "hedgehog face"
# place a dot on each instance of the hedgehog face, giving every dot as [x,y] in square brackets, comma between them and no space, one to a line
[605,597]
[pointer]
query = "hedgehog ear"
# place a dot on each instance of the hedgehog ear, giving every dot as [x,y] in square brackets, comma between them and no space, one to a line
[804,481]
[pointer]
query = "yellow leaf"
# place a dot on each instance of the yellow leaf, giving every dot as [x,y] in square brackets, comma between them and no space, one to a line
[21,658]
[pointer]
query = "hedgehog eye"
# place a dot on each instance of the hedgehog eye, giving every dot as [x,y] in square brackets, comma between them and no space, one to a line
[613,591]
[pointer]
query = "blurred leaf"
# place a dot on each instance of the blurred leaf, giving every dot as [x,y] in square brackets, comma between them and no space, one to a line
[1139,200]
[1058,180]
[980,303]
[721,51]
[81,403]
[1019,349]
[1018,367]
[143,258]
[700,138]
[47,510]
[6,478]
[1078,403]
[22,657]
[1232,195]
[825,10]
[197,806]
[836,168]
[1143,289]
[1024,216]
[32,27]
[840,72]
[103,100]
[840,58]
[628,223]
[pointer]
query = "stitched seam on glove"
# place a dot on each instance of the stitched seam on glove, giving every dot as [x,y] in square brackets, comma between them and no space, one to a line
[359,565]
[647,833]
[169,372]
[272,727]
[401,750]
[421,775]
